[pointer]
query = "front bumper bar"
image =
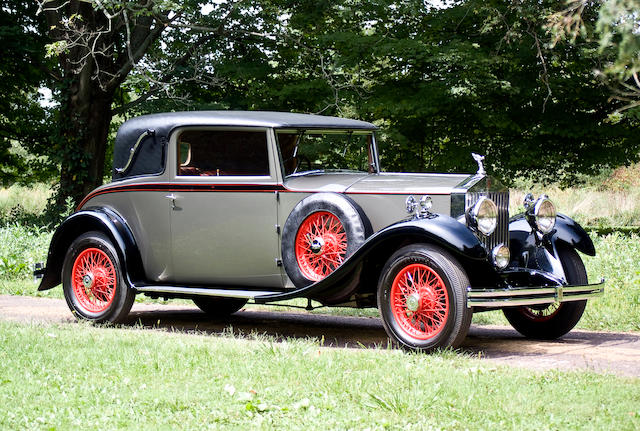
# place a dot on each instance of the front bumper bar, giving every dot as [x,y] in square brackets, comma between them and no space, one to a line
[515,296]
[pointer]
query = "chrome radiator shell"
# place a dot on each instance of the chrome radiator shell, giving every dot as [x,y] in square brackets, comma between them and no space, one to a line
[467,194]
[501,199]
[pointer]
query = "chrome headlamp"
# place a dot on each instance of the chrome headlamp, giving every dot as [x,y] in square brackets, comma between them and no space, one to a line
[541,214]
[483,216]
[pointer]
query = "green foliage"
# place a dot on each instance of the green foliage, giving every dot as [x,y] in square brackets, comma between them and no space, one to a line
[476,76]
[440,81]
[617,26]
[20,248]
[614,25]
[484,82]
[23,128]
[617,261]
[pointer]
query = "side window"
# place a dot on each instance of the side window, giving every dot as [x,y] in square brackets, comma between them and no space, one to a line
[222,153]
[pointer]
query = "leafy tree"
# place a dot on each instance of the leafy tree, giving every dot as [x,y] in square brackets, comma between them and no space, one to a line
[476,76]
[105,49]
[441,82]
[480,78]
[23,70]
[616,30]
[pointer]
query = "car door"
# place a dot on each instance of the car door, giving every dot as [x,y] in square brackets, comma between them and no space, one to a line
[223,216]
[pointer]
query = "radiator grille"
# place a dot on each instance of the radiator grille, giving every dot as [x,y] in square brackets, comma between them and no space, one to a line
[501,234]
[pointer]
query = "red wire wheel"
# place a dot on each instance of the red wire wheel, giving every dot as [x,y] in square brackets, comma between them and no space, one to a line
[320,245]
[419,301]
[93,280]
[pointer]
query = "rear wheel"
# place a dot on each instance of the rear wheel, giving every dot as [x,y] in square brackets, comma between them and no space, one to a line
[422,298]
[548,322]
[219,307]
[92,280]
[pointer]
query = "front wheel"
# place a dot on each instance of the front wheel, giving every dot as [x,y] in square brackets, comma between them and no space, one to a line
[92,280]
[422,296]
[548,322]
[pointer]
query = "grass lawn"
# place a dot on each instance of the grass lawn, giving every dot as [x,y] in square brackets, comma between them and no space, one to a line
[72,376]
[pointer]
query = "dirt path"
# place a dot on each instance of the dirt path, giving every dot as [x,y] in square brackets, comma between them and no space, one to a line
[609,352]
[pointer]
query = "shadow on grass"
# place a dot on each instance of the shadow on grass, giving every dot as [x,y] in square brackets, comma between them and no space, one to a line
[327,330]
[368,332]
[597,351]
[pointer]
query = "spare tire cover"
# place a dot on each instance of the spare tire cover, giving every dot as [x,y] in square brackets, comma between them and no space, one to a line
[320,233]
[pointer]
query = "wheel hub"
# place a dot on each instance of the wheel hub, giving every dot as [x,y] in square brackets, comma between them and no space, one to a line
[317,244]
[413,302]
[87,280]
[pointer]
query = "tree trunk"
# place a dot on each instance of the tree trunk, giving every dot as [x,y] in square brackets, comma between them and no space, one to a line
[84,128]
[101,48]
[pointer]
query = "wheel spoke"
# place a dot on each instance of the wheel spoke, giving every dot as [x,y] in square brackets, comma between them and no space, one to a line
[327,229]
[432,313]
[98,294]
[541,314]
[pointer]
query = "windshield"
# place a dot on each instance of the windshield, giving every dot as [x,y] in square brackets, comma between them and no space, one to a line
[313,151]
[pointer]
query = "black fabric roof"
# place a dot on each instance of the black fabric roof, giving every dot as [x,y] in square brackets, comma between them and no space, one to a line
[150,155]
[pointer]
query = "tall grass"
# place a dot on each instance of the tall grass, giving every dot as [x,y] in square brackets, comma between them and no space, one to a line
[609,199]
[17,200]
[588,206]
[618,261]
[20,247]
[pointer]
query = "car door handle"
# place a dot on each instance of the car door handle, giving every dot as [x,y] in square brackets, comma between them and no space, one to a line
[173,200]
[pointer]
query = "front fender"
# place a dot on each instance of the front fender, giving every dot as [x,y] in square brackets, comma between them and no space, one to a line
[100,219]
[571,233]
[566,231]
[437,229]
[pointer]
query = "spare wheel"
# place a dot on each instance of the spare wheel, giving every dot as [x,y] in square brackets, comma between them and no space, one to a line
[320,233]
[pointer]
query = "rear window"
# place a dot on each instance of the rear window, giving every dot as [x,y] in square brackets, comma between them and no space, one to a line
[223,153]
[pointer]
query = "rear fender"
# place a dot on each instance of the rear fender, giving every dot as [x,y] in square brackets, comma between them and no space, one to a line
[103,220]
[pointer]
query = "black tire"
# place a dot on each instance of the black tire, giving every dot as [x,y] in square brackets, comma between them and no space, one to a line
[552,321]
[219,307]
[92,280]
[355,224]
[446,292]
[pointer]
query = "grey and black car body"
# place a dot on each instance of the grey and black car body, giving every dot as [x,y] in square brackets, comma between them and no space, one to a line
[225,207]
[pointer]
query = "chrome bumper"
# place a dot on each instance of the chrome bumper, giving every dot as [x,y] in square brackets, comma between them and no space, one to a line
[509,297]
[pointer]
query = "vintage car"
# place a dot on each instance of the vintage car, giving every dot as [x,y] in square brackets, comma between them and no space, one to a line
[223,207]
